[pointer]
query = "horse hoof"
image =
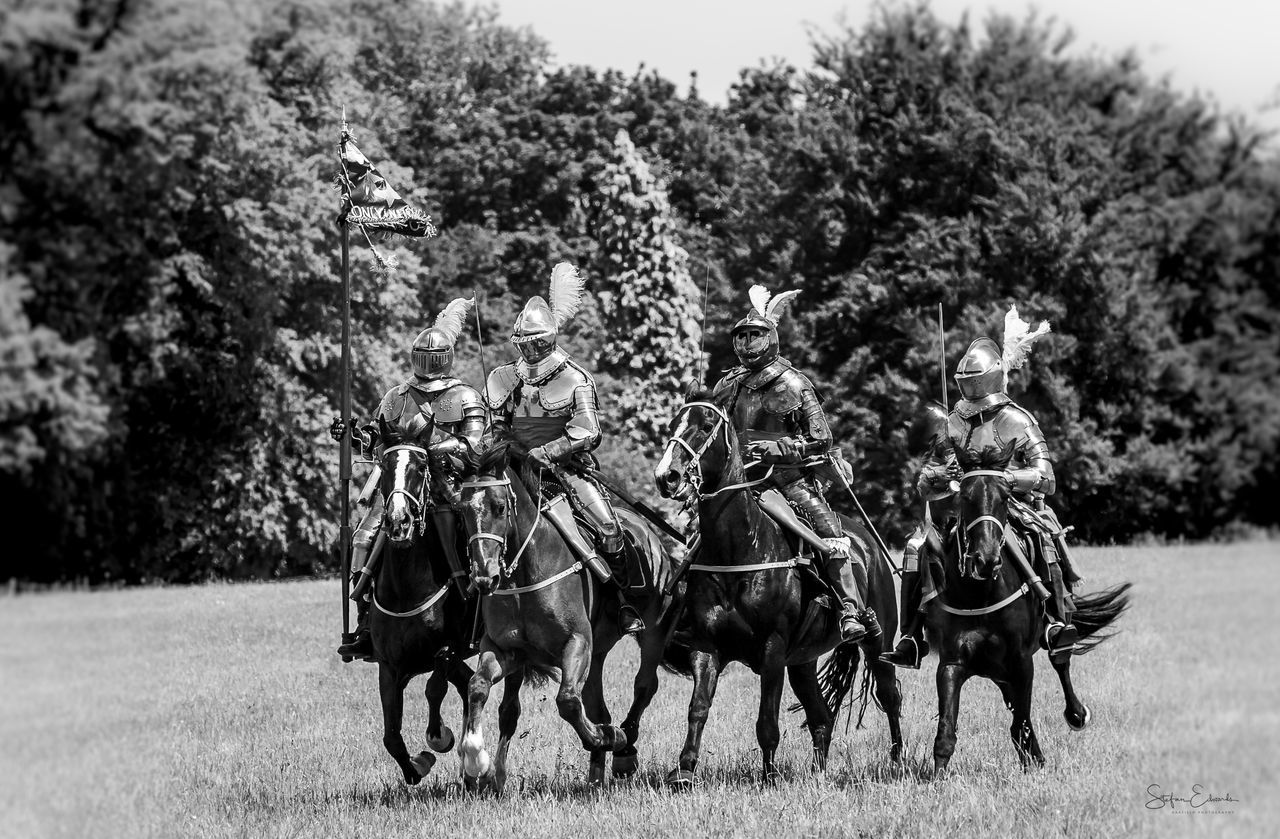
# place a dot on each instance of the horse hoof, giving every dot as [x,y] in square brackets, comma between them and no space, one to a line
[895,753]
[444,742]
[770,778]
[680,780]
[1077,722]
[422,762]
[625,765]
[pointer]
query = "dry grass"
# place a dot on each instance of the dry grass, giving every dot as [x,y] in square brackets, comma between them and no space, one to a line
[220,711]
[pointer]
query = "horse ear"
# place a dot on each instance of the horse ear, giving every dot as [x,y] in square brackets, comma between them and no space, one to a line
[386,433]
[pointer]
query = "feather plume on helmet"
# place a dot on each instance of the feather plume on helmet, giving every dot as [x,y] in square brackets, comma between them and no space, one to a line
[1018,340]
[432,353]
[566,292]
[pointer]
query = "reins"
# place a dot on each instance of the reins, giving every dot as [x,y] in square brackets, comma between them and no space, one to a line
[416,507]
[966,527]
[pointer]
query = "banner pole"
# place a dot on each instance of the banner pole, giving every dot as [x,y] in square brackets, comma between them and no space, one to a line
[344,449]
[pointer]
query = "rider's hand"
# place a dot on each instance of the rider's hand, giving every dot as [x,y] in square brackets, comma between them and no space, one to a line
[790,449]
[337,428]
[538,455]
[954,472]
[765,451]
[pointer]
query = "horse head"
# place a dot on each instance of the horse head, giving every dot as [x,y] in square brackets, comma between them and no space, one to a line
[699,449]
[488,513]
[983,509]
[406,478]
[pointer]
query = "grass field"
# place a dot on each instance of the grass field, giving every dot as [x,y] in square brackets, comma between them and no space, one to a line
[221,711]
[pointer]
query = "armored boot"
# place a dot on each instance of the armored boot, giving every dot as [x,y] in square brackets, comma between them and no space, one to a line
[856,621]
[913,647]
[361,646]
[629,620]
[1060,634]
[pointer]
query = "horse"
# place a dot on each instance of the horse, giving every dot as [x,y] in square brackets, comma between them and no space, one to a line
[750,605]
[985,620]
[418,622]
[545,616]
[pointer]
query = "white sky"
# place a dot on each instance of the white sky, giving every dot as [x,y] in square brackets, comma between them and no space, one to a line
[1227,49]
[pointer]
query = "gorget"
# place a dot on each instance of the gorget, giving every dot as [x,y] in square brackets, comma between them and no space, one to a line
[536,374]
[970,408]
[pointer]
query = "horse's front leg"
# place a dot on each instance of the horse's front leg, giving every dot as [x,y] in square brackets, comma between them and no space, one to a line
[889,698]
[706,672]
[1076,713]
[575,664]
[804,683]
[477,770]
[439,736]
[1021,679]
[593,700]
[951,677]
[391,687]
[772,670]
[508,719]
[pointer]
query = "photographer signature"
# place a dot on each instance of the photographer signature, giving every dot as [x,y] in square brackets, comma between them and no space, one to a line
[1199,798]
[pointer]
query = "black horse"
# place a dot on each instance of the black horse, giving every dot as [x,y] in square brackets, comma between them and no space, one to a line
[986,622]
[748,599]
[418,621]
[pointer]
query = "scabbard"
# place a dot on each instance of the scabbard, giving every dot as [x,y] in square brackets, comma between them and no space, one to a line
[1014,551]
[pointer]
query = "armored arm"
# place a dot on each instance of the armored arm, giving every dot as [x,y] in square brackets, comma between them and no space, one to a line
[1035,475]
[582,431]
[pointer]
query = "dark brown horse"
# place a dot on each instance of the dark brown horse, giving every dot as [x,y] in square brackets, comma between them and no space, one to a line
[546,616]
[747,598]
[985,622]
[418,621]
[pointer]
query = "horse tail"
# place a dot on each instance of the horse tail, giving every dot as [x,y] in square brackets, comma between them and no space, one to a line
[537,675]
[1098,611]
[836,677]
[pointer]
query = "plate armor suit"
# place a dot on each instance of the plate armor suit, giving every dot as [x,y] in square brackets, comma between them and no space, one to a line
[987,416]
[778,416]
[460,418]
[548,404]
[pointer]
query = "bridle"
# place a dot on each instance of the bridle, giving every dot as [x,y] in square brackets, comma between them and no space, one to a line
[964,527]
[693,470]
[417,505]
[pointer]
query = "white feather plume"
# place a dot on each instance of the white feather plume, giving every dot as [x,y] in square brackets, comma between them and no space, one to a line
[1018,338]
[566,292]
[777,303]
[453,319]
[759,296]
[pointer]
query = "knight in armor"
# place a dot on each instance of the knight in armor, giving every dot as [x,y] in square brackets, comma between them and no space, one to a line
[987,416]
[778,416]
[548,404]
[431,394]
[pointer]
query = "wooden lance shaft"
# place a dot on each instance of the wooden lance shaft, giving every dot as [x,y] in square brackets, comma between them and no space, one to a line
[344,448]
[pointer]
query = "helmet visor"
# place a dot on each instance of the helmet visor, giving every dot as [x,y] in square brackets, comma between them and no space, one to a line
[429,364]
[534,350]
[753,345]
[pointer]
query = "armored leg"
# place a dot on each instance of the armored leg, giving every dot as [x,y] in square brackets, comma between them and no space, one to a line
[856,621]
[609,565]
[913,647]
[363,560]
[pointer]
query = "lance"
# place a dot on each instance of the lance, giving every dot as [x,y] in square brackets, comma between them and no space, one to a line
[942,368]
[865,518]
[484,370]
[344,448]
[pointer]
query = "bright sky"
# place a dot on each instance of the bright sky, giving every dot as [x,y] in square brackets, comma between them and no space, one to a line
[1224,48]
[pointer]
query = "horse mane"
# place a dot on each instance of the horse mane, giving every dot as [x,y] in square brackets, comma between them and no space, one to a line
[990,457]
[698,394]
[494,455]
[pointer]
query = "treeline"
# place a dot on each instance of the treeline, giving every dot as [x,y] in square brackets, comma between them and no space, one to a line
[169,277]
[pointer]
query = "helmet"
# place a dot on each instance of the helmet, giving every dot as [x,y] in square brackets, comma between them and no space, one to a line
[535,331]
[980,372]
[432,354]
[755,341]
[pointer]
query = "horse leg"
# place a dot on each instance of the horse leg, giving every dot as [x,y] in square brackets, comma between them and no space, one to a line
[1021,679]
[477,770]
[951,677]
[1076,713]
[459,675]
[575,663]
[439,735]
[772,670]
[593,700]
[804,682]
[889,698]
[706,672]
[652,642]
[391,689]
[508,718]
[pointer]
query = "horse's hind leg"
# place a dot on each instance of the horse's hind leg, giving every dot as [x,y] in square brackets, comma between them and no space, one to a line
[1076,713]
[889,698]
[951,678]
[706,672]
[391,690]
[1018,695]
[508,719]
[772,668]
[439,735]
[652,642]
[804,682]
[593,700]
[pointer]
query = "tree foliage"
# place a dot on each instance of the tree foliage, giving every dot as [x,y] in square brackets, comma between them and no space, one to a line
[169,263]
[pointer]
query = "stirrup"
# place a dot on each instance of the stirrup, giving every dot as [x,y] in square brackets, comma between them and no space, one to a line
[851,629]
[1063,642]
[629,620]
[361,647]
[907,657]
